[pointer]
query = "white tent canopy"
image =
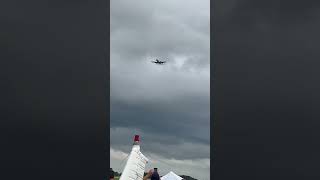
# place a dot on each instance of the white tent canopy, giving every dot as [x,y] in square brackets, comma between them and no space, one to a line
[171,176]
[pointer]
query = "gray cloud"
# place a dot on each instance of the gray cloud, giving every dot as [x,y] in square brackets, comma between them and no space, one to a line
[160,29]
[165,145]
[167,105]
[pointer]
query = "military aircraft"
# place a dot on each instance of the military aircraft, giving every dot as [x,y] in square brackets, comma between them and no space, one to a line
[158,62]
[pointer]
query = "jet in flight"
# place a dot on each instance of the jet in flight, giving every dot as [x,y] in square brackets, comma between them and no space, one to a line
[158,62]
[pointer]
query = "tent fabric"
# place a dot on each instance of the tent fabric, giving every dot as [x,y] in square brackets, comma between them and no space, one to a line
[171,176]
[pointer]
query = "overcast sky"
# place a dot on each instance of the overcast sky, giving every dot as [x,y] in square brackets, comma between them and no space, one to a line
[168,105]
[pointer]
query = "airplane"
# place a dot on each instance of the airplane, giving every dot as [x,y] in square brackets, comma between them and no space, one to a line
[158,62]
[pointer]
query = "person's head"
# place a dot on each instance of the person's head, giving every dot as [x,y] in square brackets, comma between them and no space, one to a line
[155,169]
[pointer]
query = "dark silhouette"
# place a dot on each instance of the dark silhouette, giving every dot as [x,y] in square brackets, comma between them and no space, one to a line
[111,173]
[155,174]
[158,62]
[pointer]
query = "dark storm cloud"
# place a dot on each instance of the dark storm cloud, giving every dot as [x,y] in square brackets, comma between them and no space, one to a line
[266,90]
[168,105]
[163,112]
[167,118]
[163,108]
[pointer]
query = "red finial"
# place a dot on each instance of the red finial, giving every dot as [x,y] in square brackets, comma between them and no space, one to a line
[136,138]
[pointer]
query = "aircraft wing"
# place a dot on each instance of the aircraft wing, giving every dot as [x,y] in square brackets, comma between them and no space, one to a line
[135,166]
